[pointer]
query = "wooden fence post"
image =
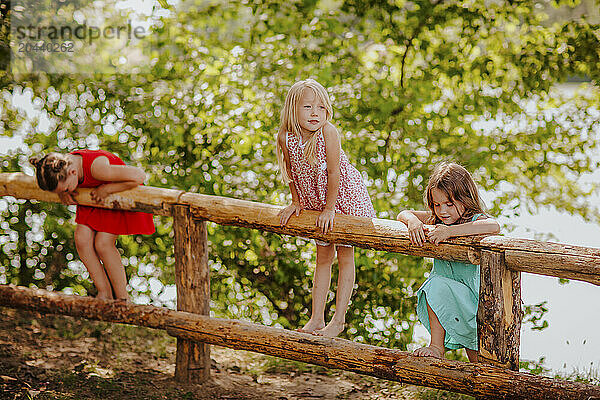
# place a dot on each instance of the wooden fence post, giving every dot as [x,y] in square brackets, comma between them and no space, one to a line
[193,291]
[499,313]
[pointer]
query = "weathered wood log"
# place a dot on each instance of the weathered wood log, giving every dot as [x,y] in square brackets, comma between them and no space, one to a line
[142,198]
[571,262]
[380,234]
[489,382]
[548,258]
[193,291]
[499,312]
[574,262]
[551,264]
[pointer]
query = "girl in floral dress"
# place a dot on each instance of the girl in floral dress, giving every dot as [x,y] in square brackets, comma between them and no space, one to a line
[320,178]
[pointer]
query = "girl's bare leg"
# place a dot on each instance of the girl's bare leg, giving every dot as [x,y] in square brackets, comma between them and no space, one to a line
[438,333]
[321,281]
[473,355]
[84,241]
[346,277]
[105,244]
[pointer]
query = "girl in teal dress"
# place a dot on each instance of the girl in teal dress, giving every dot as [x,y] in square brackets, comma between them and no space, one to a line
[447,301]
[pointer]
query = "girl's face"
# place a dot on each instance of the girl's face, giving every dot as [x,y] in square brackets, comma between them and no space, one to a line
[446,209]
[69,184]
[311,111]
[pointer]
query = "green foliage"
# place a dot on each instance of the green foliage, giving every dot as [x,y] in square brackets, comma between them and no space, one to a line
[587,375]
[411,83]
[534,313]
[534,367]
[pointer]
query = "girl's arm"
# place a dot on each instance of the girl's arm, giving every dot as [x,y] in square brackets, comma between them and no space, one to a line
[332,150]
[478,227]
[293,208]
[121,177]
[408,216]
[414,221]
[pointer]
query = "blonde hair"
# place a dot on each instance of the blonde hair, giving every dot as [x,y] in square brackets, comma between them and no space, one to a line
[457,183]
[289,122]
[50,169]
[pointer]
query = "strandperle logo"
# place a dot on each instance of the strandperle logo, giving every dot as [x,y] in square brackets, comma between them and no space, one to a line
[81,31]
[80,37]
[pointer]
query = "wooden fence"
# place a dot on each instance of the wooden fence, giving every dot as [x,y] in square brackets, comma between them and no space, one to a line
[499,316]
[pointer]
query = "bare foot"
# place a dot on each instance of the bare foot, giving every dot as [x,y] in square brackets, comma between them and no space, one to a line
[312,326]
[332,329]
[104,296]
[430,351]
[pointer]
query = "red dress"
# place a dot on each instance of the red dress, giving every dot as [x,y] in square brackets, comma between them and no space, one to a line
[118,222]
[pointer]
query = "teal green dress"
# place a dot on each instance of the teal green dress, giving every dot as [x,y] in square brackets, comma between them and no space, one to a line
[452,291]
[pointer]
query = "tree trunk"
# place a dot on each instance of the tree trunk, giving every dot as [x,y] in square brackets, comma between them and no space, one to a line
[499,312]
[193,291]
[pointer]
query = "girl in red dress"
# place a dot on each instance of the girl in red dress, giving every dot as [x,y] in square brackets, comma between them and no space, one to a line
[97,228]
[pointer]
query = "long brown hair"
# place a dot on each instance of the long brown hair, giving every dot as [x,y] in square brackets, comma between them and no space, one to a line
[457,183]
[50,169]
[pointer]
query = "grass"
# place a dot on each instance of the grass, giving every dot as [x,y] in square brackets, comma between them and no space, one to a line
[437,394]
[280,366]
[590,375]
[71,384]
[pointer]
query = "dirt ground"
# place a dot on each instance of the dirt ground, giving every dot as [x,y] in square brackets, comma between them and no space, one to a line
[58,357]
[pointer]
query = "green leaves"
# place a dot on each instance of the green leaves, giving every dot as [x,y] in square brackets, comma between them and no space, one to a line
[412,83]
[535,314]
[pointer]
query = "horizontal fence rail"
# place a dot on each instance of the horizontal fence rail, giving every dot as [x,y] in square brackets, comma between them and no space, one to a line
[543,258]
[489,382]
